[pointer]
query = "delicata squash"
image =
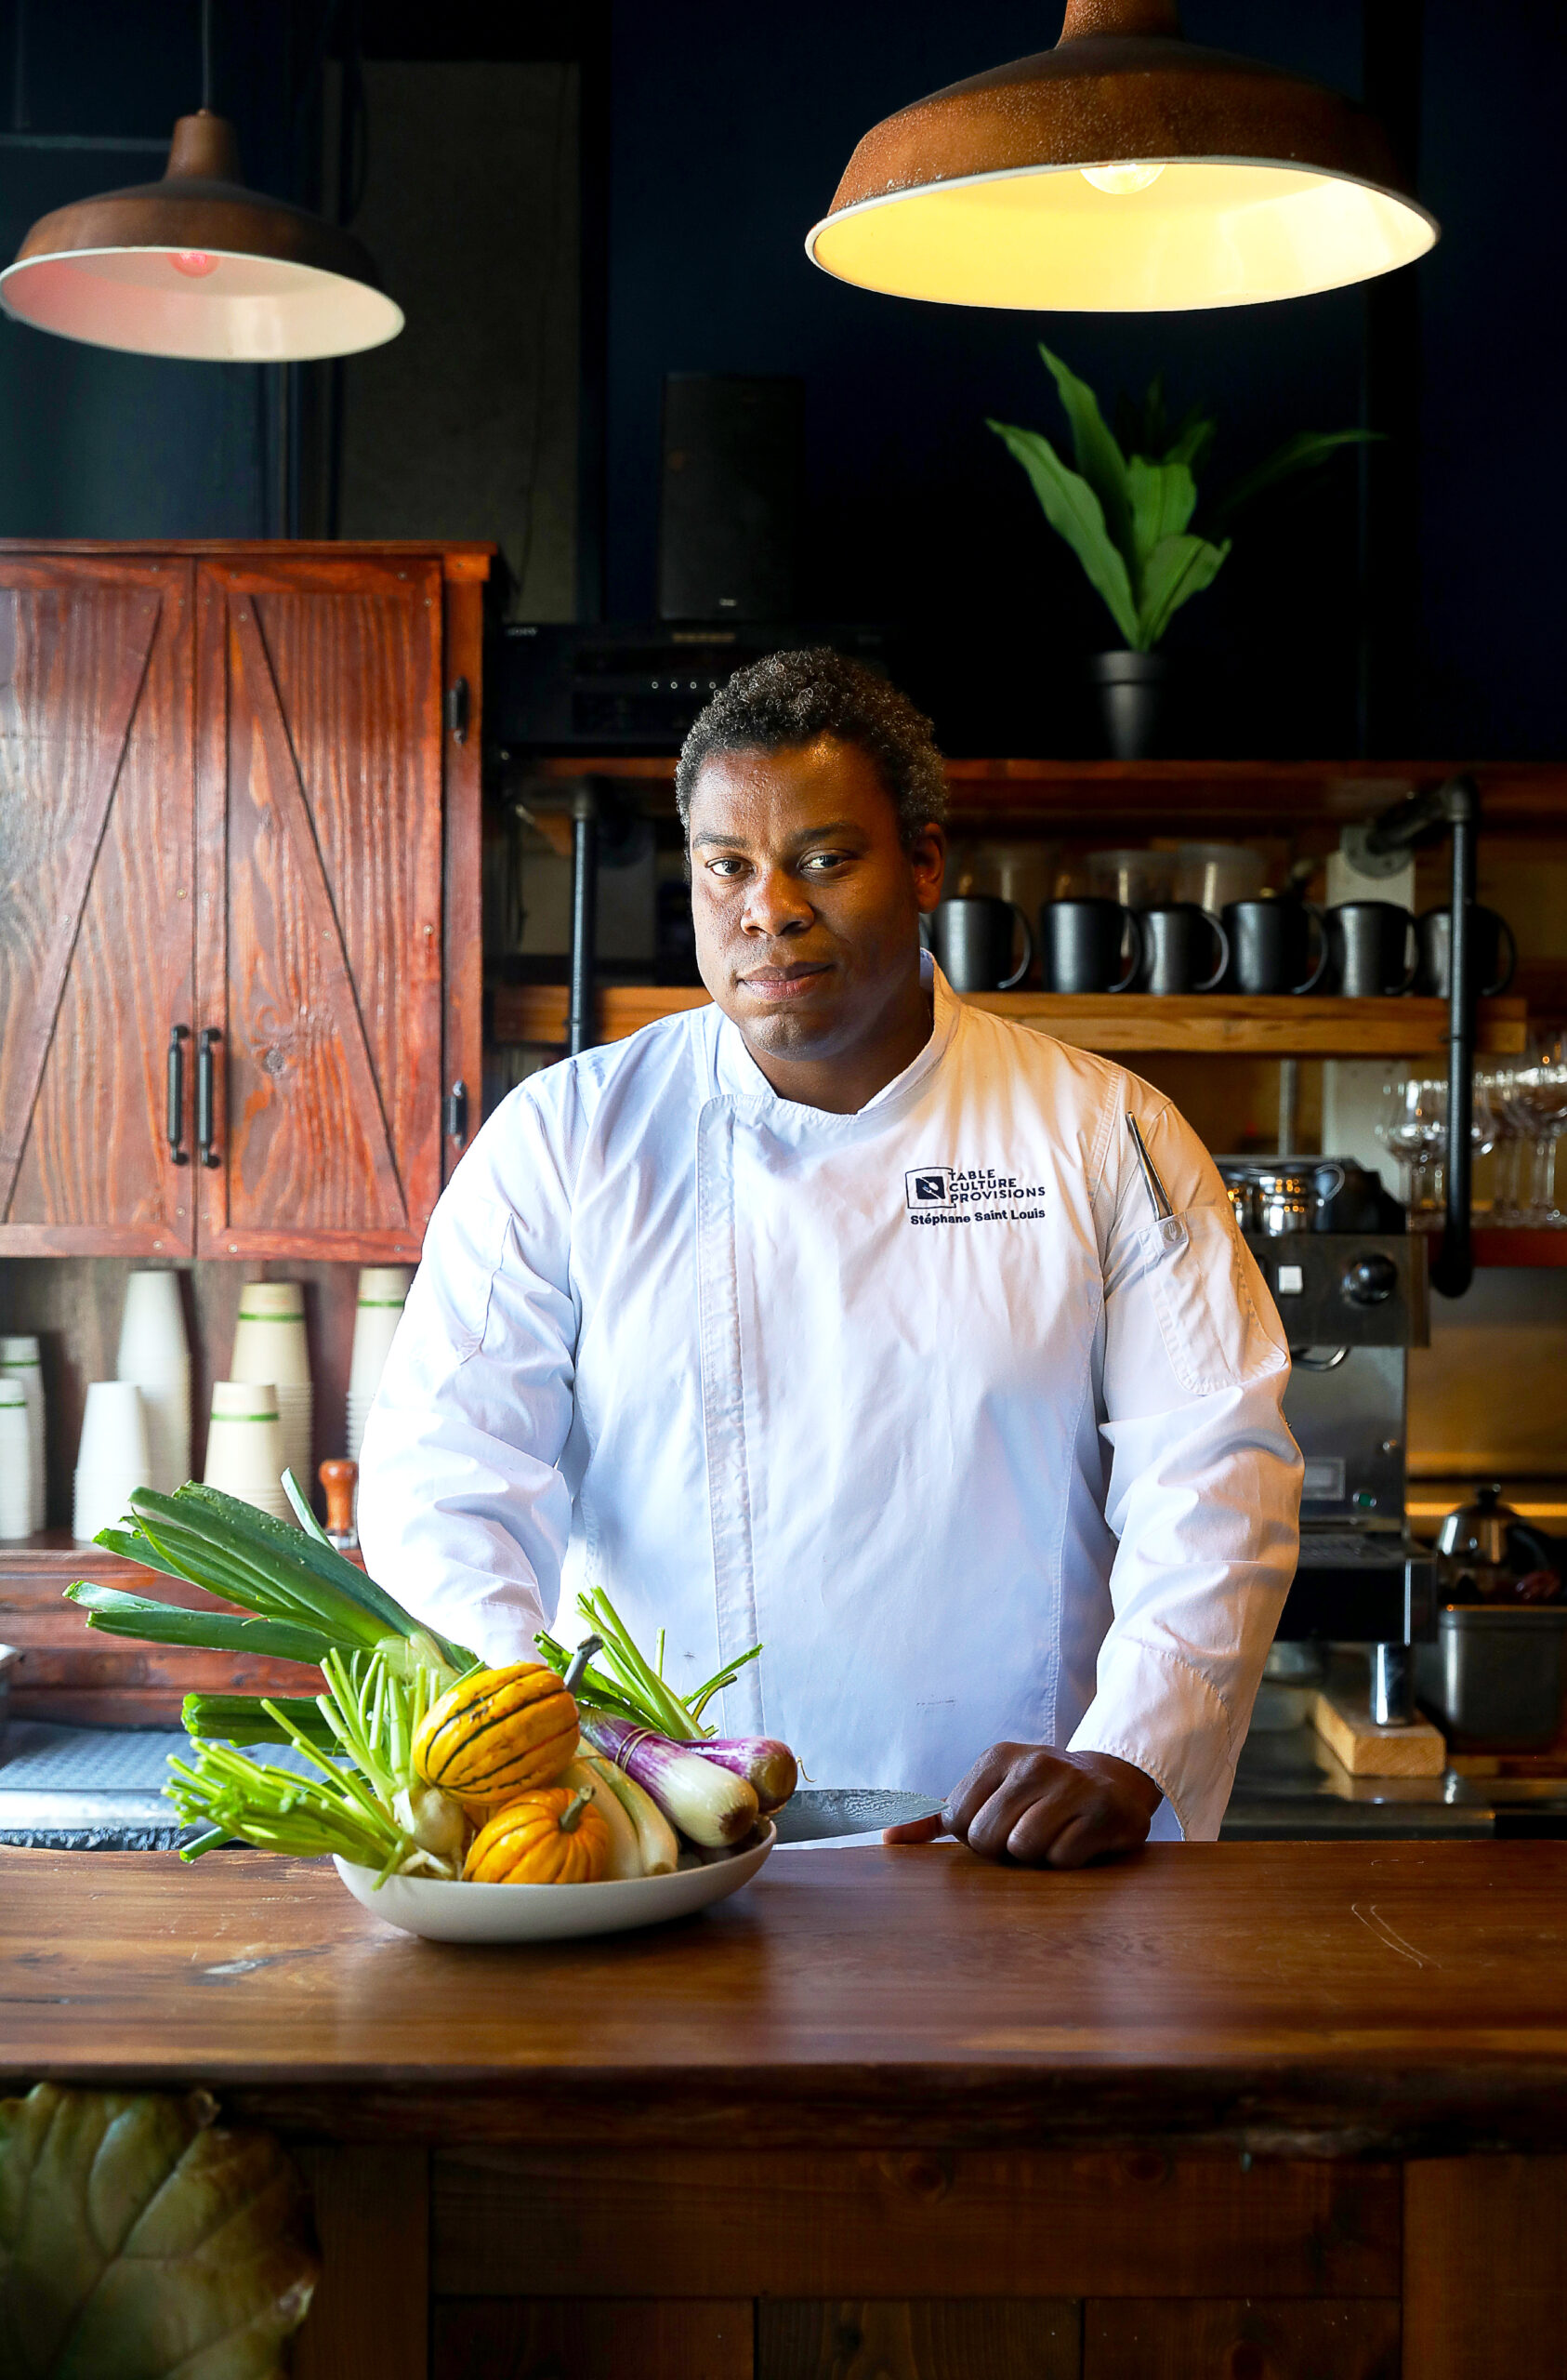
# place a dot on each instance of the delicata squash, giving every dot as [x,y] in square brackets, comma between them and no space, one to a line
[551,1836]
[496,1733]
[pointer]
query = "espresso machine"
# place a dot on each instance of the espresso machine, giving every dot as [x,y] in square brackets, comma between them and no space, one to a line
[1349,1281]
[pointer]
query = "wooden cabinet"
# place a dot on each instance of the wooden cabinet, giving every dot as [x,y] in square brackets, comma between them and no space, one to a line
[97,913]
[234,808]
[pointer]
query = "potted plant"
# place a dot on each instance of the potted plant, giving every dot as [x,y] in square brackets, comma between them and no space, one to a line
[1126,512]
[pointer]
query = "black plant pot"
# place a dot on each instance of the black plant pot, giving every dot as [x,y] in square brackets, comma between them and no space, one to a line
[1132,688]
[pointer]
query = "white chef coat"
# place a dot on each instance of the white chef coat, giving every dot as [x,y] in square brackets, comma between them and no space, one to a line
[927,1399]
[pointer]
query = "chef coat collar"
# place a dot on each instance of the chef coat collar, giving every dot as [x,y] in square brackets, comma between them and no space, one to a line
[734,1074]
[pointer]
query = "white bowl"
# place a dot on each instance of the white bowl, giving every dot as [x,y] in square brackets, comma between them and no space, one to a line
[445,1913]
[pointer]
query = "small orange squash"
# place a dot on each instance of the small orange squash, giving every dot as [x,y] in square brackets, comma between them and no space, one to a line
[496,1733]
[551,1836]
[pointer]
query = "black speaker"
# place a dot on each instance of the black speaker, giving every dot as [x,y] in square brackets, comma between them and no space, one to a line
[730,506]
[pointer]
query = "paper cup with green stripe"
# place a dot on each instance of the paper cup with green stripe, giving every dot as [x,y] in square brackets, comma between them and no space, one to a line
[244,1445]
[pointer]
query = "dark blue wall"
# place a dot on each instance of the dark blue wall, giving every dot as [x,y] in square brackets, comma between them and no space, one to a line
[94,444]
[730,127]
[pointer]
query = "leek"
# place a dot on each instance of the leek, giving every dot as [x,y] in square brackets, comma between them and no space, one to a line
[304,1600]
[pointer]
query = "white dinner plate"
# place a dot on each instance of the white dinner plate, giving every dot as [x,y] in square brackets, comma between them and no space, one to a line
[443,1912]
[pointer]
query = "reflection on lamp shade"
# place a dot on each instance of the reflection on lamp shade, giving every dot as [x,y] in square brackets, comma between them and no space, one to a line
[1128,171]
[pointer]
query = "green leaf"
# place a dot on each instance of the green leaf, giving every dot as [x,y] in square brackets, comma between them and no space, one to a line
[1304,452]
[242,1719]
[1164,496]
[139,2240]
[1074,512]
[1178,569]
[1098,456]
[1191,444]
[303,1514]
[217,1631]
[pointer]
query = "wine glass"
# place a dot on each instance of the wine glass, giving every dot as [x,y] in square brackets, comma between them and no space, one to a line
[1538,1102]
[1413,1128]
[1510,1136]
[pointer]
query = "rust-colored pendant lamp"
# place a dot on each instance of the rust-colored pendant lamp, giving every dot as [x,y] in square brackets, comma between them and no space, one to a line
[199,266]
[1125,171]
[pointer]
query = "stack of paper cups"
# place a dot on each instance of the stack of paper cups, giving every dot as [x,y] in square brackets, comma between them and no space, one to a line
[270,1348]
[19,1360]
[16,1469]
[383,1290]
[154,1354]
[112,1461]
[244,1445]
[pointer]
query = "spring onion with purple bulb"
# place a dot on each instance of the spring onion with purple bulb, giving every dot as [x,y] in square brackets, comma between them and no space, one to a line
[710,1803]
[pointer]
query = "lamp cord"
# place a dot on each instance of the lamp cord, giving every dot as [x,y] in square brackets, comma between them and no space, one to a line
[206,56]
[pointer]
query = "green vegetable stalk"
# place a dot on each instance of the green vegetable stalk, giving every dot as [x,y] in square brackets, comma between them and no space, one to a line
[304,1599]
[635,1691]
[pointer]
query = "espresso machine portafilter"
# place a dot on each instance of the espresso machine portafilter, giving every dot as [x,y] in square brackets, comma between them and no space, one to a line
[1352,1302]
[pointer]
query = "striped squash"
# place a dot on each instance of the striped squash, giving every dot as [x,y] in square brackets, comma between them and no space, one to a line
[551,1837]
[496,1733]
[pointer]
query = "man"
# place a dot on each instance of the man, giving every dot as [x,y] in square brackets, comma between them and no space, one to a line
[843,1317]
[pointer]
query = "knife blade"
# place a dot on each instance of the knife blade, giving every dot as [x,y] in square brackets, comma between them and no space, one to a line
[815,1813]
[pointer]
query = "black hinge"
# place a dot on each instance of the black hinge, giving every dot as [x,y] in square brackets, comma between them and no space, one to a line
[456,1113]
[456,710]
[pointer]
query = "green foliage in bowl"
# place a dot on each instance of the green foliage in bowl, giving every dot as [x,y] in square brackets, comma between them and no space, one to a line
[1127,511]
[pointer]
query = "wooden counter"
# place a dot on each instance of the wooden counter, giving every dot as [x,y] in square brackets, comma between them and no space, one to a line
[1244,2110]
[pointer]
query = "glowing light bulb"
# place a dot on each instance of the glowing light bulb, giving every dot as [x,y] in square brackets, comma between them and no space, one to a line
[196,264]
[1120,180]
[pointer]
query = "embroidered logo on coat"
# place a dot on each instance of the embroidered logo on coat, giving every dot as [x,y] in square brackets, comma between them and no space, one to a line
[971,1194]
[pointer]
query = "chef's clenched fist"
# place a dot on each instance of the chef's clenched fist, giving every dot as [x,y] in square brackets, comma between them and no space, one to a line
[1043,1808]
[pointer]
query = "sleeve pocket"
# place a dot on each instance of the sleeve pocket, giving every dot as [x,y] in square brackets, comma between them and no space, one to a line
[1214,1335]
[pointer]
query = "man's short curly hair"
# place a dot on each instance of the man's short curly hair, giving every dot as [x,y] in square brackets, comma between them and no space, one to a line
[791,699]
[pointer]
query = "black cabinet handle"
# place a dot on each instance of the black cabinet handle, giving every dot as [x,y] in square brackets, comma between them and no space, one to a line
[456,1113]
[457,710]
[175,1128]
[205,1041]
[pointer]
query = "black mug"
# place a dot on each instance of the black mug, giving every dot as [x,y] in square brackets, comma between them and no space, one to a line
[1080,945]
[1173,952]
[1369,941]
[1487,934]
[1271,945]
[971,935]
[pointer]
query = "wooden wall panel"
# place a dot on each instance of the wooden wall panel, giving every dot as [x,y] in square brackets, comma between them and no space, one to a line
[1485,2268]
[1249,2339]
[370,2316]
[981,2224]
[920,2338]
[95,903]
[564,2338]
[324,791]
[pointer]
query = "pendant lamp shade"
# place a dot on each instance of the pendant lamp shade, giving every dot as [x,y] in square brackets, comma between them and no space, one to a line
[1125,171]
[198,266]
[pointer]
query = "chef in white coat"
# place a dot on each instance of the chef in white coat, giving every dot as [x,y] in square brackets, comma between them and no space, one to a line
[843,1317]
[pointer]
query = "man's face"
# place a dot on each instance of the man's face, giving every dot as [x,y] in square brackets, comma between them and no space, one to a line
[805,903]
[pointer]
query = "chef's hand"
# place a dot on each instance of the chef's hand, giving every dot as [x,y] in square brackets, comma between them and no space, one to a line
[1043,1808]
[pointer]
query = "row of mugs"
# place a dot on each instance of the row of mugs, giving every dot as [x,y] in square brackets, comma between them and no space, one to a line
[1363,948]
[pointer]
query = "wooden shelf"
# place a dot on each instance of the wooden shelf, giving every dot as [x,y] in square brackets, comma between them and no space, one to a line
[1505,1245]
[1255,797]
[1211,1023]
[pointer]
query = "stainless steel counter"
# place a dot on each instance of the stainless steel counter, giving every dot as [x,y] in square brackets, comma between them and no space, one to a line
[1289,1786]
